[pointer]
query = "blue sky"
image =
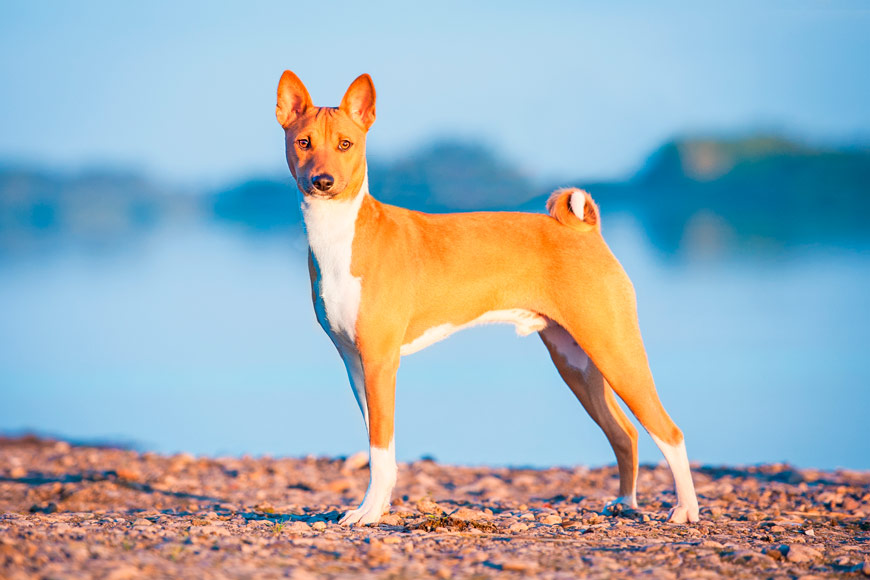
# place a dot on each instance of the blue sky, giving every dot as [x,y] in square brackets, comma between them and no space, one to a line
[185,90]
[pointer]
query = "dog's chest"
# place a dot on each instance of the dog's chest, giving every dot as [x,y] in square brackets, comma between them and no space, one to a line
[330,226]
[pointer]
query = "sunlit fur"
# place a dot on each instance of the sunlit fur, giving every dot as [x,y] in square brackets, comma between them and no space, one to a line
[388,281]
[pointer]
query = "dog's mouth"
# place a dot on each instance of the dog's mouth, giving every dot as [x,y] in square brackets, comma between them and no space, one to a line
[318,194]
[309,191]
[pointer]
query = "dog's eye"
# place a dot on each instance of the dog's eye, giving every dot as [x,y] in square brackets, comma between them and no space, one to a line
[344,144]
[303,143]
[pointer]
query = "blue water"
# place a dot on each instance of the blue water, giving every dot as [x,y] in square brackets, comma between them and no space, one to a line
[204,340]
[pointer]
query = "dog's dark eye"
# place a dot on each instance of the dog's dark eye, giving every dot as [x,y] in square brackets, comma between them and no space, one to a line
[344,144]
[303,143]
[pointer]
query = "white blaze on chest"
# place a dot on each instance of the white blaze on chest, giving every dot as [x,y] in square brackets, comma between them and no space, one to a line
[526,322]
[330,226]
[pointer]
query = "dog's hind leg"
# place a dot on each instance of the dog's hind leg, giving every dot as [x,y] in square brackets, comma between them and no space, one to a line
[611,337]
[596,396]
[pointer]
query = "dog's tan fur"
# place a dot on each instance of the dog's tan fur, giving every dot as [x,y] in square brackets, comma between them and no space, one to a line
[412,273]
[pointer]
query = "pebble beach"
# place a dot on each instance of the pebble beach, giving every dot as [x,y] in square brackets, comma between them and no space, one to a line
[76,511]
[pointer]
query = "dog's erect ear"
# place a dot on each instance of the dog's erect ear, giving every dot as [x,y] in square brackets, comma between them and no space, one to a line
[359,101]
[293,98]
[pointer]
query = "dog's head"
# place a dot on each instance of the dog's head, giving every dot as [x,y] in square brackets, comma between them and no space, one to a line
[326,146]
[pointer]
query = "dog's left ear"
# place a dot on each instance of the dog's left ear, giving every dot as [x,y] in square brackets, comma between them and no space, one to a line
[359,101]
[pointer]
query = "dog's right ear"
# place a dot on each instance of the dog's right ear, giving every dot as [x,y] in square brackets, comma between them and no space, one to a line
[293,98]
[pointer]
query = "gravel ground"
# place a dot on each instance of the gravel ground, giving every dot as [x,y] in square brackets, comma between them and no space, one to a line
[91,512]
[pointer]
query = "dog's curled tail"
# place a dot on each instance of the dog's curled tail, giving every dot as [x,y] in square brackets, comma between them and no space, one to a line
[574,208]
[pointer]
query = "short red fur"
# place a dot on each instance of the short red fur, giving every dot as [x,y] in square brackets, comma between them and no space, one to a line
[420,271]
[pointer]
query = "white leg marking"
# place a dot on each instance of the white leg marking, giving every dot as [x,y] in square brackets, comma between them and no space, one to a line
[381,483]
[686,509]
[525,321]
[565,344]
[629,501]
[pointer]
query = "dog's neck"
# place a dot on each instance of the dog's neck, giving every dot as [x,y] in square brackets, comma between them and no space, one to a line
[331,226]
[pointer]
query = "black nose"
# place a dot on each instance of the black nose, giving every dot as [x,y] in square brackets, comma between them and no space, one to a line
[323,181]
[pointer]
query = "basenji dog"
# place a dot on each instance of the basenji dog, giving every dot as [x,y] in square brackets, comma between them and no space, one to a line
[387,282]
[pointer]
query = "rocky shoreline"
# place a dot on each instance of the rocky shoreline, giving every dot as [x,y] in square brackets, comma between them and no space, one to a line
[70,511]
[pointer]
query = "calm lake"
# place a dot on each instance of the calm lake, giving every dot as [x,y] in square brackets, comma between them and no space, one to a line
[204,340]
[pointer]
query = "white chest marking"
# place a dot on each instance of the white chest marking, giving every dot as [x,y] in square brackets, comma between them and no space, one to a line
[526,322]
[330,226]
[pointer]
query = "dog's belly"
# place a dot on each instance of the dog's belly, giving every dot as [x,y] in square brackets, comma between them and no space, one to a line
[525,321]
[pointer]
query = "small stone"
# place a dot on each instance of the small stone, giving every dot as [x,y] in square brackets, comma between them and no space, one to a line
[17,472]
[298,527]
[518,528]
[341,485]
[747,556]
[391,520]
[800,553]
[356,461]
[392,540]
[128,474]
[427,506]
[470,515]
[551,519]
[123,572]
[319,526]
[300,574]
[48,508]
[141,522]
[519,565]
[210,530]
[379,554]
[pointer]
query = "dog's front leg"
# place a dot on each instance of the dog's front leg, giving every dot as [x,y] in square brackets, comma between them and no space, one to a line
[380,398]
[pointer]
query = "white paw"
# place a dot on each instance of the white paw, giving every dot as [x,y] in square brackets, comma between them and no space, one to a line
[681,514]
[619,504]
[377,498]
[368,513]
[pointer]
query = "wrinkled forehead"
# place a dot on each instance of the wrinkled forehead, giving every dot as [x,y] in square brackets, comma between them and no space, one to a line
[327,120]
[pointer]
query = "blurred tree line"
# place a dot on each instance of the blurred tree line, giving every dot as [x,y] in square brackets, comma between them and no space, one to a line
[692,196]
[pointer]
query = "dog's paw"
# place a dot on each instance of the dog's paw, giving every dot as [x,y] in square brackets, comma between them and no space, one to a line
[360,517]
[681,514]
[367,513]
[619,505]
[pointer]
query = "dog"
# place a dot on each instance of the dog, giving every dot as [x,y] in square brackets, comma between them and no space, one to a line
[387,282]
